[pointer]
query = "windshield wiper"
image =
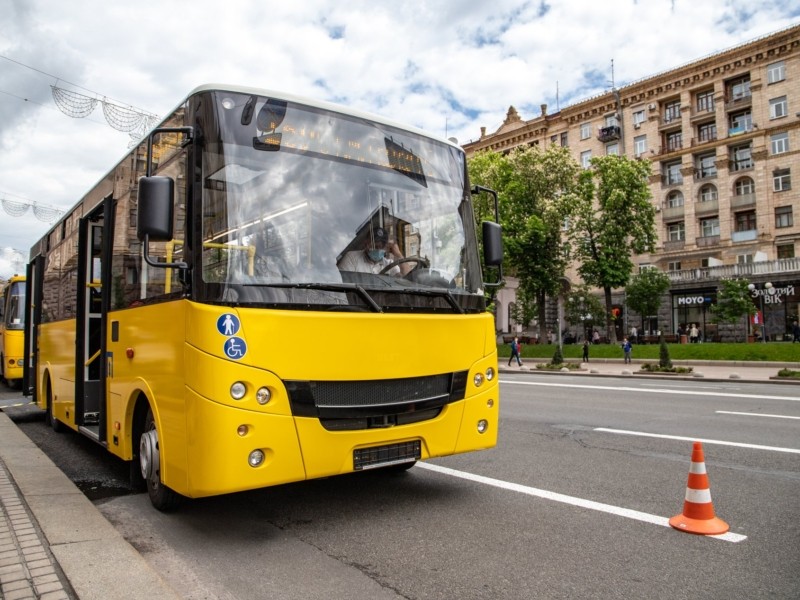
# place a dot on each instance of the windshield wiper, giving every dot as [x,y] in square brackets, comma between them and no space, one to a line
[328,287]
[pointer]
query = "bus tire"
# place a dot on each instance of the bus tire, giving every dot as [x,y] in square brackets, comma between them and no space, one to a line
[54,423]
[162,497]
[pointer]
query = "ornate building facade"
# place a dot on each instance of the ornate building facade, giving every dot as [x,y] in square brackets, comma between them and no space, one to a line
[722,135]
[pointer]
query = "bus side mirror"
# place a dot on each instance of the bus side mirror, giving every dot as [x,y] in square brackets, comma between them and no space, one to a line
[492,244]
[155,211]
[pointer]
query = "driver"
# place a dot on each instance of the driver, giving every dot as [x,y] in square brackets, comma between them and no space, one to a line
[378,253]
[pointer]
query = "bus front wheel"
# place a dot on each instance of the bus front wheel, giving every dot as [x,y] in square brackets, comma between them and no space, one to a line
[162,497]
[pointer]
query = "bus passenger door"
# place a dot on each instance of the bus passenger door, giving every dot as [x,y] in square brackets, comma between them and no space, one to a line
[90,345]
[33,317]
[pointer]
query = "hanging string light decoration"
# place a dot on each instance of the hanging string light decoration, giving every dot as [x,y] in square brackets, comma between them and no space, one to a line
[122,118]
[17,208]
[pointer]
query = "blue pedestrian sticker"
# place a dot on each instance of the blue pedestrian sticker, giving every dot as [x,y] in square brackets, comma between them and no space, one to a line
[235,348]
[228,324]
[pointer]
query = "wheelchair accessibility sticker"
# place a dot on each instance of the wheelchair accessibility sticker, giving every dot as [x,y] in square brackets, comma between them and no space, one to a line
[235,348]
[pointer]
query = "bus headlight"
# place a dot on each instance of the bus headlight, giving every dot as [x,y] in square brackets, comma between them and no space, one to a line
[489,373]
[483,425]
[263,395]
[238,390]
[478,379]
[256,458]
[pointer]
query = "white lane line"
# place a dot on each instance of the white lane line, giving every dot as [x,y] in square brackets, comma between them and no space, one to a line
[697,439]
[572,500]
[747,414]
[652,391]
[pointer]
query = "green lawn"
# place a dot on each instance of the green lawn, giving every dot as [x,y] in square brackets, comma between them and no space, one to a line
[771,351]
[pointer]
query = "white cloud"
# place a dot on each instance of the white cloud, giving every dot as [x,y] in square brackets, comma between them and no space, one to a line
[449,68]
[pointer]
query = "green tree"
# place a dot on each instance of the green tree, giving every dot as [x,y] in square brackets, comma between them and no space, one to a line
[733,303]
[582,307]
[644,292]
[611,221]
[536,191]
[664,361]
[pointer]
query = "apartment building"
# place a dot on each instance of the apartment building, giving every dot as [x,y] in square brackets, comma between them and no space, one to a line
[722,135]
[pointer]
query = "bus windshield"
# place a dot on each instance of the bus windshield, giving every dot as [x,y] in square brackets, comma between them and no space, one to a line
[15,309]
[306,207]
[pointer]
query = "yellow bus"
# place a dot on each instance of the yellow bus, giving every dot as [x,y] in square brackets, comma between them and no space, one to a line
[269,289]
[12,330]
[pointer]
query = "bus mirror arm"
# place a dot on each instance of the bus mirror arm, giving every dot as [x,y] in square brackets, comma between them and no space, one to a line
[160,265]
[492,239]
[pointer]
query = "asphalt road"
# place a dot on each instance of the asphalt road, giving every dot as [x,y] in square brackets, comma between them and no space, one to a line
[571,504]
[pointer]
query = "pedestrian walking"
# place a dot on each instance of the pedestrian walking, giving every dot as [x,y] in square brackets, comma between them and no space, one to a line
[795,332]
[515,348]
[586,350]
[626,348]
[694,334]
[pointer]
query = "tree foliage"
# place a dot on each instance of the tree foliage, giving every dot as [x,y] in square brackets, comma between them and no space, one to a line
[536,190]
[644,292]
[733,303]
[582,306]
[611,221]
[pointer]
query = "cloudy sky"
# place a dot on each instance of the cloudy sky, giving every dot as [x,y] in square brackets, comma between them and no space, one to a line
[447,66]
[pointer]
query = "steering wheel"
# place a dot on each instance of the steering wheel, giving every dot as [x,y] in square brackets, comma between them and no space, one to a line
[421,262]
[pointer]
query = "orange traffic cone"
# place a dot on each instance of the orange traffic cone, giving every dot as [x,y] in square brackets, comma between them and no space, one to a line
[698,511]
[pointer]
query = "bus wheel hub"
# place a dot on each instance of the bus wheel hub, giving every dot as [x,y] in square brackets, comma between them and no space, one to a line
[148,454]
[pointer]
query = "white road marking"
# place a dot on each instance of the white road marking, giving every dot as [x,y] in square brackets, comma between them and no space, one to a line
[652,391]
[747,414]
[697,439]
[572,500]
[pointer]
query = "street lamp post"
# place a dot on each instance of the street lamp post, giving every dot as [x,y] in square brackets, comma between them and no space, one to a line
[767,286]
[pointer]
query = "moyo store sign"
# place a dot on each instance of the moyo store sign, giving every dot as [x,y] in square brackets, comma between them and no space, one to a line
[693,300]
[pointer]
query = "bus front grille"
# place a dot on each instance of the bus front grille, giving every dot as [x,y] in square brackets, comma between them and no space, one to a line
[350,405]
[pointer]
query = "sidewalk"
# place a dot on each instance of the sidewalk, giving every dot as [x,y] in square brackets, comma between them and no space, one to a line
[712,370]
[56,545]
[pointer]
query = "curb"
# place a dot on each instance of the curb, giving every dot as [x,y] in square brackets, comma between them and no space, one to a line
[94,557]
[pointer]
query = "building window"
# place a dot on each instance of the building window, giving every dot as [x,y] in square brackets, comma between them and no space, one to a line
[674,199]
[672,173]
[672,111]
[742,158]
[785,251]
[778,108]
[740,122]
[705,101]
[706,167]
[776,72]
[586,131]
[738,88]
[707,132]
[612,149]
[564,140]
[638,117]
[674,266]
[708,193]
[676,232]
[586,156]
[779,143]
[744,186]
[611,120]
[783,217]
[746,221]
[674,141]
[781,180]
[743,259]
[709,227]
[639,145]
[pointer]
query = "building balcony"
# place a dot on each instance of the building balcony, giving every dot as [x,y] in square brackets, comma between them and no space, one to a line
[740,165]
[743,201]
[707,240]
[741,129]
[782,268]
[672,212]
[669,180]
[738,101]
[674,245]
[703,139]
[744,236]
[703,113]
[705,174]
[608,134]
[709,207]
